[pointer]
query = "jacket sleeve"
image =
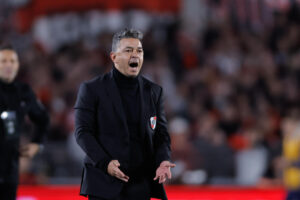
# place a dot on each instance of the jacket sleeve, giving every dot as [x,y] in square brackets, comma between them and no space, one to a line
[38,115]
[161,139]
[86,127]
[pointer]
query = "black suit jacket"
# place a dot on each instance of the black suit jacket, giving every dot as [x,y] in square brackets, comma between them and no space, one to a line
[101,131]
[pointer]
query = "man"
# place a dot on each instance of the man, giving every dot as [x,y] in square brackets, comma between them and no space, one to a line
[121,125]
[16,101]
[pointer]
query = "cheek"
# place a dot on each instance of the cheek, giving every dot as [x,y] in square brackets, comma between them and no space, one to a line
[119,59]
[123,60]
[141,57]
[16,68]
[141,60]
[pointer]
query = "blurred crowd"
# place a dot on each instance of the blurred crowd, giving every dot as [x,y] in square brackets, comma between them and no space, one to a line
[231,85]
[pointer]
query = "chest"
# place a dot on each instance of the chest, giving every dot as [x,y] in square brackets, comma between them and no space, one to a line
[14,100]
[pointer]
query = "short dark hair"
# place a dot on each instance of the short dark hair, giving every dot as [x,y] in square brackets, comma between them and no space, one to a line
[7,46]
[125,33]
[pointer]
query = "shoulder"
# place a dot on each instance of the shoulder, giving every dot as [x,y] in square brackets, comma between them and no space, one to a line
[93,82]
[96,82]
[25,91]
[94,86]
[22,85]
[154,86]
[24,88]
[155,89]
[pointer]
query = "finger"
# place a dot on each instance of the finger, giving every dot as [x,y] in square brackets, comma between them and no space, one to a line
[117,164]
[169,175]
[25,154]
[24,151]
[24,148]
[162,179]
[156,177]
[171,165]
[114,163]
[124,179]
[120,174]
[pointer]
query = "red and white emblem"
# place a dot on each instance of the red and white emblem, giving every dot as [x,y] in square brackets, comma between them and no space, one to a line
[153,122]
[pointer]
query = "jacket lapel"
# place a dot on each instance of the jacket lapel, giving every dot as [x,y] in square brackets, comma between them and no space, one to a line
[142,104]
[114,95]
[145,96]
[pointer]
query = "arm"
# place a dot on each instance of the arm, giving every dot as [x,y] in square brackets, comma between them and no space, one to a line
[162,144]
[38,115]
[161,139]
[85,127]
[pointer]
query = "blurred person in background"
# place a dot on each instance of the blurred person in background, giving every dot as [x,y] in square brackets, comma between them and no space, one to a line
[17,100]
[120,124]
[290,161]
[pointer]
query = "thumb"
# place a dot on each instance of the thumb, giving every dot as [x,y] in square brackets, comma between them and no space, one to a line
[172,165]
[117,164]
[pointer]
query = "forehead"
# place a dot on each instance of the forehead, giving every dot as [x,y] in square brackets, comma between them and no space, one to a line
[130,42]
[8,53]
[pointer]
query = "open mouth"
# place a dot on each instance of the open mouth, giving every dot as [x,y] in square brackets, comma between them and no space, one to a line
[133,64]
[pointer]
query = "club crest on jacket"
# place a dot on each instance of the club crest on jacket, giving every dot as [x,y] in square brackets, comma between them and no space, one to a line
[153,122]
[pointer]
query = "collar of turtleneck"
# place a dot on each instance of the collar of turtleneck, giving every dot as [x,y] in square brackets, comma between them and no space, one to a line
[6,85]
[124,81]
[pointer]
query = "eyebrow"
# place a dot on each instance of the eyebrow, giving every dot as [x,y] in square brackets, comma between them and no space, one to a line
[128,47]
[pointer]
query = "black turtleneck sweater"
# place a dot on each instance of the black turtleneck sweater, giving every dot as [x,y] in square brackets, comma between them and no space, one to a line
[130,96]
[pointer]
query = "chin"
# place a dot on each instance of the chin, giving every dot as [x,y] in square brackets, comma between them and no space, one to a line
[6,80]
[132,75]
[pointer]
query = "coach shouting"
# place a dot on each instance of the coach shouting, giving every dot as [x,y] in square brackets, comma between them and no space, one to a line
[121,126]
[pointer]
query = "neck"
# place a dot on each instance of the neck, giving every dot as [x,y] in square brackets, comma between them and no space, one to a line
[121,79]
[5,81]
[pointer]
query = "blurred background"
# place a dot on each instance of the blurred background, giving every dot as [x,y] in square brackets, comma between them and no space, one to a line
[230,70]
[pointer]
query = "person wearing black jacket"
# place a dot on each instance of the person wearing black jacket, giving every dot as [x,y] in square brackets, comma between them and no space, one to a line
[16,101]
[120,124]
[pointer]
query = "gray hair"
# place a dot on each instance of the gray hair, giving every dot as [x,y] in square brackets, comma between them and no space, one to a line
[125,33]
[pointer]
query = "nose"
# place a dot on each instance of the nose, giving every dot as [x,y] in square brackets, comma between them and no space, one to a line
[8,65]
[134,53]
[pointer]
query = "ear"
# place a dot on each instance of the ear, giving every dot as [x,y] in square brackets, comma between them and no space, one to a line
[113,56]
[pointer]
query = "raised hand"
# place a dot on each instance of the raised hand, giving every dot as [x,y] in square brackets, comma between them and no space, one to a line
[163,171]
